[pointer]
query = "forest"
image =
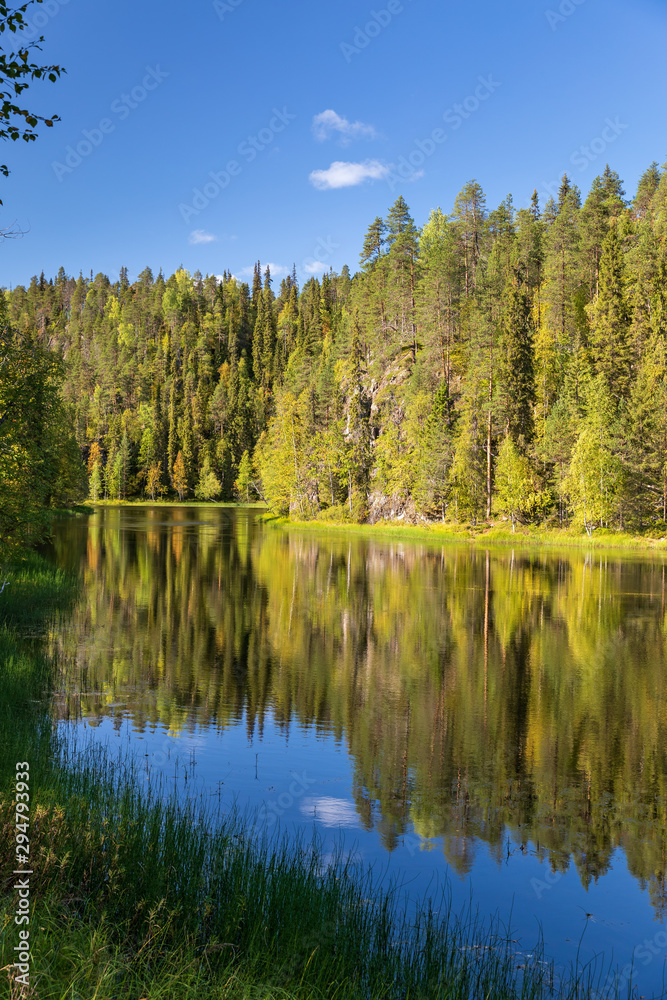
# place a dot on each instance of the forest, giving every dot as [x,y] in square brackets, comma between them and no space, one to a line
[494,364]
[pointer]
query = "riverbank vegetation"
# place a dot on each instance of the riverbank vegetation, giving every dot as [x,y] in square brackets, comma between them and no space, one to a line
[483,534]
[505,364]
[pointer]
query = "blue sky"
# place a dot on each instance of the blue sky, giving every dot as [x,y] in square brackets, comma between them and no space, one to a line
[211,134]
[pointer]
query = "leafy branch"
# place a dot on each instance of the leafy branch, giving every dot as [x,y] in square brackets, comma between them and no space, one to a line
[16,74]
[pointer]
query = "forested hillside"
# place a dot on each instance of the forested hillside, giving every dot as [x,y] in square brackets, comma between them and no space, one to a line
[506,363]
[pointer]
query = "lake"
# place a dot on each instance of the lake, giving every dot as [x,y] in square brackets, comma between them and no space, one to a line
[490,722]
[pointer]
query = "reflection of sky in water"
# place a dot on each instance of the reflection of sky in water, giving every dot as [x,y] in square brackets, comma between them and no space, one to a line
[298,783]
[328,811]
[449,717]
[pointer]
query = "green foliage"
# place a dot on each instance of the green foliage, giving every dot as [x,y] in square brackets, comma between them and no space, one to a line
[209,486]
[242,484]
[40,464]
[16,75]
[517,493]
[178,478]
[610,319]
[395,388]
[594,482]
[95,490]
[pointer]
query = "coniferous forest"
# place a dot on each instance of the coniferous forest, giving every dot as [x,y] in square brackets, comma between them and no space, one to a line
[495,364]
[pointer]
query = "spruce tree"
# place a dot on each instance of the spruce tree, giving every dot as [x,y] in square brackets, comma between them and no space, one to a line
[610,320]
[646,188]
[516,384]
[603,207]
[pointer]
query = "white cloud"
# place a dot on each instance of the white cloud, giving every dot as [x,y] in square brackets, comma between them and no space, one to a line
[315,267]
[328,123]
[341,174]
[330,812]
[201,236]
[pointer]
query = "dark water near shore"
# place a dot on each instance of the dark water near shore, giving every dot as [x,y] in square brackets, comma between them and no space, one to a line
[486,720]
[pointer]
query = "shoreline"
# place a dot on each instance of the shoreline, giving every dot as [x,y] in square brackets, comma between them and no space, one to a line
[432,533]
[481,537]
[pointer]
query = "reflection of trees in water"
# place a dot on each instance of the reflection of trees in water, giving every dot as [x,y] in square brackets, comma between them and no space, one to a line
[474,691]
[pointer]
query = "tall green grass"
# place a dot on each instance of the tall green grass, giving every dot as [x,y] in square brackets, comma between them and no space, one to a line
[137,894]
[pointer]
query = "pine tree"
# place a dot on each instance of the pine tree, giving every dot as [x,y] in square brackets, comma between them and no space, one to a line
[561,274]
[439,293]
[374,282]
[530,244]
[470,223]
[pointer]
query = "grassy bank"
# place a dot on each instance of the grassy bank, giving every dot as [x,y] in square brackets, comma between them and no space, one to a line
[484,536]
[136,896]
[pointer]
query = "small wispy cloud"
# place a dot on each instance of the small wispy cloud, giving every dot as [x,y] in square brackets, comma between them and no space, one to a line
[340,174]
[329,123]
[201,236]
[314,267]
[331,812]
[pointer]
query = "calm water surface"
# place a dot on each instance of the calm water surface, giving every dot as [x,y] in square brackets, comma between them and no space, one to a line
[491,721]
